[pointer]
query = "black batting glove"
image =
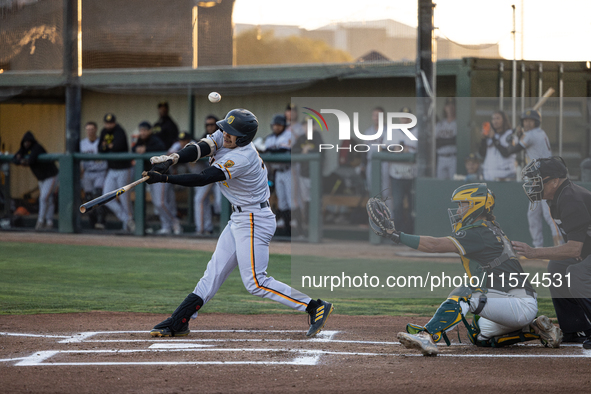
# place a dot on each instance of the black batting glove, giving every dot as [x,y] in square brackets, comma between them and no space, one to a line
[155,177]
[161,167]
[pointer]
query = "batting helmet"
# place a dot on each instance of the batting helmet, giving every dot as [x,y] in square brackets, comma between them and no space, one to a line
[279,119]
[241,123]
[539,171]
[531,114]
[480,199]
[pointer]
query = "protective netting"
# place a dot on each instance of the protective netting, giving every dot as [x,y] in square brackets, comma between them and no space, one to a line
[136,34]
[31,35]
[117,34]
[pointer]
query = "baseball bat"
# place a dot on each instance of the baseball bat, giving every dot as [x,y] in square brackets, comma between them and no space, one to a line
[543,99]
[105,198]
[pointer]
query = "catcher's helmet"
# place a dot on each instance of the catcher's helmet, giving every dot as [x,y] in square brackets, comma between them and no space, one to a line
[539,171]
[241,123]
[531,114]
[279,119]
[481,201]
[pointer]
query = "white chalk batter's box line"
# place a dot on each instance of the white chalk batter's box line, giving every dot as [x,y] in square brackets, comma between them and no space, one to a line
[301,356]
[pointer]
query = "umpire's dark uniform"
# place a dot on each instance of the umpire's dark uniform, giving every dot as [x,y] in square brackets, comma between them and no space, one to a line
[571,210]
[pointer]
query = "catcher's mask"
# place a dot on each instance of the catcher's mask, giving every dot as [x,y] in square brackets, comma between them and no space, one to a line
[480,201]
[538,172]
[241,123]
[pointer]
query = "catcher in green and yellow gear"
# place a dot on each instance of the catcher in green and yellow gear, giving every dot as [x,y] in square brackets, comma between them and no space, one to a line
[504,315]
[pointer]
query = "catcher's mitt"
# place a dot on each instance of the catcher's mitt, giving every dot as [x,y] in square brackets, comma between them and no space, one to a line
[381,220]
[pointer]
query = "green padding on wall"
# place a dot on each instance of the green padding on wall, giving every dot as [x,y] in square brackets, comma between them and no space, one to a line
[433,198]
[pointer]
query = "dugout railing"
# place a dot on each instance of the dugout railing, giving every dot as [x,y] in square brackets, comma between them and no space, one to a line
[69,188]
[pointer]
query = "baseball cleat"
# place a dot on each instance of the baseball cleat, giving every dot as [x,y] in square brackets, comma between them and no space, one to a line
[550,335]
[318,317]
[163,330]
[421,341]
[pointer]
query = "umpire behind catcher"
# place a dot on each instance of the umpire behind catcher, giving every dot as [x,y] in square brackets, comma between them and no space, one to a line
[570,263]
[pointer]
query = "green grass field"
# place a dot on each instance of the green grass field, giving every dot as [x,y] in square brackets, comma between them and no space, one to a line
[49,278]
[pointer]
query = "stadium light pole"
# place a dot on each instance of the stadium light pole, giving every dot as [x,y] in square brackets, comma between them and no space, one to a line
[424,89]
[514,76]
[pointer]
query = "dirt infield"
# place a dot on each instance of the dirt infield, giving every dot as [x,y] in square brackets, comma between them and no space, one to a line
[104,352]
[112,353]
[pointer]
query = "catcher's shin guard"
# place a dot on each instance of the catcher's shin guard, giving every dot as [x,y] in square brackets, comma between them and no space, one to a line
[178,323]
[448,315]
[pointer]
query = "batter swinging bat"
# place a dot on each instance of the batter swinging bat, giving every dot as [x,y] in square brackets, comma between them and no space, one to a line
[105,198]
[543,99]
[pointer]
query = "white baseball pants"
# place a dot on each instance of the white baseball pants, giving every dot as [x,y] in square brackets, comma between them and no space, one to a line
[119,206]
[46,202]
[244,243]
[503,312]
[158,192]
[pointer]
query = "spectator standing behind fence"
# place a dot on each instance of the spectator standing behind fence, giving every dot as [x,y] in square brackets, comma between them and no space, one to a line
[402,175]
[147,142]
[291,121]
[302,181]
[114,140]
[207,198]
[280,142]
[46,174]
[496,166]
[378,124]
[446,131]
[165,128]
[537,146]
[93,174]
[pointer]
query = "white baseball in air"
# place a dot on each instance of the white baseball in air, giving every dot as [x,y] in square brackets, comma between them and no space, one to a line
[214,97]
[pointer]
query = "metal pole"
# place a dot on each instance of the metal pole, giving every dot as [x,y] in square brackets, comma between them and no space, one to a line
[423,81]
[560,106]
[514,76]
[501,85]
[522,87]
[540,82]
[73,101]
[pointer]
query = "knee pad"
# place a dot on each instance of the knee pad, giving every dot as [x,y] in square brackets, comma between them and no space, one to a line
[180,317]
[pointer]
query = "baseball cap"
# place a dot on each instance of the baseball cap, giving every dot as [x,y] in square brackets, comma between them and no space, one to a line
[109,118]
[553,167]
[163,103]
[184,136]
[145,125]
[291,106]
[472,157]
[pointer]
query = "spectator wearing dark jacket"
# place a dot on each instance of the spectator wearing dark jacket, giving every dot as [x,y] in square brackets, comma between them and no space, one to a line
[46,174]
[148,142]
[114,140]
[165,128]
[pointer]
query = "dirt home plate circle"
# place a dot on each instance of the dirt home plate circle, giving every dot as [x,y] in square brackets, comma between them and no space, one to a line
[214,97]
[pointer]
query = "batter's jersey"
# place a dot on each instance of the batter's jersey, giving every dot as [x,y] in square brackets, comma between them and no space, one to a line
[86,146]
[246,175]
[571,211]
[478,246]
[536,144]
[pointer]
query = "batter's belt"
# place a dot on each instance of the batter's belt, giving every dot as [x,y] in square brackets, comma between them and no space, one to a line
[237,208]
